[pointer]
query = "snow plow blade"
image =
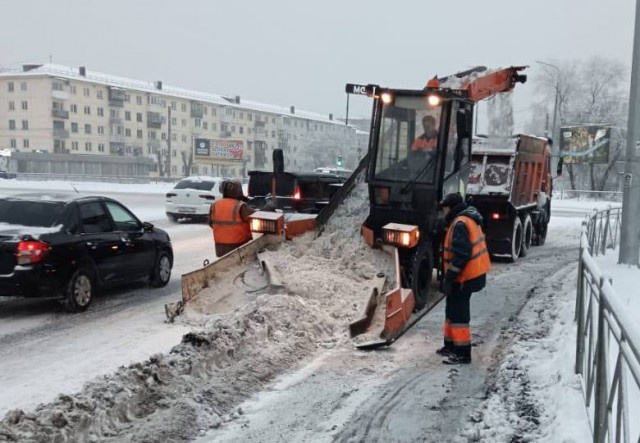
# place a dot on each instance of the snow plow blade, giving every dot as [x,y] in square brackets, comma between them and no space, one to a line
[388,315]
[194,281]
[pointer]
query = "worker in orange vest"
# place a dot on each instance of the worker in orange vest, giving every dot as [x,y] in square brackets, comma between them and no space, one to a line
[466,263]
[428,141]
[229,218]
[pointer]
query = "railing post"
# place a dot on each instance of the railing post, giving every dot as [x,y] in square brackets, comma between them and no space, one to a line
[605,234]
[601,394]
[579,313]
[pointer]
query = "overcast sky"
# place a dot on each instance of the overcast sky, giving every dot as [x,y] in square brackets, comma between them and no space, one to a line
[297,52]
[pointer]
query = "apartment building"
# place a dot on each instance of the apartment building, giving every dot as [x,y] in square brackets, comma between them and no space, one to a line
[63,120]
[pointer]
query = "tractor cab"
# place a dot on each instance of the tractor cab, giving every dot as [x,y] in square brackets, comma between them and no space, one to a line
[419,150]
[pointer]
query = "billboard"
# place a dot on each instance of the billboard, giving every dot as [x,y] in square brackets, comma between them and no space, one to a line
[214,149]
[585,143]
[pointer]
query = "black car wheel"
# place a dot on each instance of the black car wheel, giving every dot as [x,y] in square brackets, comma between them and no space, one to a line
[161,273]
[79,291]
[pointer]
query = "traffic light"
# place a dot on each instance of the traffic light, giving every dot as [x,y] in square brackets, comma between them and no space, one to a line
[339,161]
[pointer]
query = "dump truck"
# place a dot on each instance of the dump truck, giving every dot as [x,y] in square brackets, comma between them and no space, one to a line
[511,186]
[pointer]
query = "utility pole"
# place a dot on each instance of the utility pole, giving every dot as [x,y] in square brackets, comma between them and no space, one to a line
[629,232]
[169,141]
[554,135]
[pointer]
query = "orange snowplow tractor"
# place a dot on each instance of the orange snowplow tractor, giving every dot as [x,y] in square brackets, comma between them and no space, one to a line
[295,228]
[400,304]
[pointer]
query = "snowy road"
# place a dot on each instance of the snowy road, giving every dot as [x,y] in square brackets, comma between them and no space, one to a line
[404,393]
[122,326]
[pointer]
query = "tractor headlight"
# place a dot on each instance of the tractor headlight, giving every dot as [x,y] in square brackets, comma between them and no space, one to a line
[266,222]
[405,236]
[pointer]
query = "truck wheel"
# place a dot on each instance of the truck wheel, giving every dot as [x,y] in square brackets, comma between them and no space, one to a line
[527,231]
[540,233]
[421,273]
[79,292]
[516,240]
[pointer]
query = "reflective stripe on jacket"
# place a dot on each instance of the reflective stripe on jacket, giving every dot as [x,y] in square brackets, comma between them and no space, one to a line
[227,224]
[479,262]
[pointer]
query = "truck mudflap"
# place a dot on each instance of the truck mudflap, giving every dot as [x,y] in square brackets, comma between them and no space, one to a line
[388,315]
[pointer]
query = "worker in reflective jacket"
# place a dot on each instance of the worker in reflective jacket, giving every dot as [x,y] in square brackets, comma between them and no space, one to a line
[466,263]
[428,141]
[229,218]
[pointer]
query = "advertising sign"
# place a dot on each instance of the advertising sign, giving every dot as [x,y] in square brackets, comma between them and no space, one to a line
[585,143]
[230,150]
[203,147]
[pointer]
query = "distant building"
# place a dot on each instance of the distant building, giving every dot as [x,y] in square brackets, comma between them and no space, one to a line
[63,120]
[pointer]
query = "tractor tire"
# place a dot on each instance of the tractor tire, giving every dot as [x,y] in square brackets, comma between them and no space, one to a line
[421,274]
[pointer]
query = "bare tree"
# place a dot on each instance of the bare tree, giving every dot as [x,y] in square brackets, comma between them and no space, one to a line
[187,162]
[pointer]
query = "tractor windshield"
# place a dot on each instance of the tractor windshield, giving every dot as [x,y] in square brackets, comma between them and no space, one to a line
[408,140]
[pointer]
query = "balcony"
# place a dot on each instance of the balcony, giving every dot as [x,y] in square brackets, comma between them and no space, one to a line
[60,133]
[59,113]
[154,120]
[116,97]
[117,138]
[197,110]
[60,94]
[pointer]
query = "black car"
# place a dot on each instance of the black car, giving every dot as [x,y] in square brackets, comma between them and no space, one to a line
[66,245]
[7,174]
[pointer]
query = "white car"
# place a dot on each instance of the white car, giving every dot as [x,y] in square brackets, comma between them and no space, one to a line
[191,198]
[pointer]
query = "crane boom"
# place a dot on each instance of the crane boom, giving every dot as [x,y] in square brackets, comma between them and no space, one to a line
[478,83]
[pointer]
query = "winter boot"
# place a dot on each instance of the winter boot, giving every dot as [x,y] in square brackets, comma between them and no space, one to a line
[445,351]
[457,359]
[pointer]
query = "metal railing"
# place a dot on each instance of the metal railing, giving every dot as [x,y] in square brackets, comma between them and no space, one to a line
[606,368]
[581,194]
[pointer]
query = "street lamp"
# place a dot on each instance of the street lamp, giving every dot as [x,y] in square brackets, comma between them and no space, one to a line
[555,105]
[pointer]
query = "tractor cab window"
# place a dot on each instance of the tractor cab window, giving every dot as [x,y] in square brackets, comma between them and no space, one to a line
[408,140]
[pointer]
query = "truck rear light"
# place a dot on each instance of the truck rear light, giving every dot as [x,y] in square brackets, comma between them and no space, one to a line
[406,236]
[31,252]
[207,197]
[495,216]
[297,195]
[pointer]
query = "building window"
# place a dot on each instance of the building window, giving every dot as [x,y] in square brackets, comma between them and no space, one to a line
[25,124]
[127,115]
[114,113]
[241,130]
[100,112]
[10,87]
[23,87]
[139,116]
[12,143]
[25,143]
[74,146]
[213,111]
[73,91]
[184,123]
[233,128]
[101,147]
[273,134]
[74,109]
[12,106]
[99,95]
[242,116]
[86,92]
[184,138]
[25,105]
[139,133]
[138,99]
[152,135]
[214,126]
[163,136]
[198,123]
[174,137]
[87,129]
[87,110]
[174,169]
[74,127]
[183,107]
[205,125]
[12,124]
[174,106]
[100,129]
[249,116]
[174,121]
[273,120]
[87,146]
[127,132]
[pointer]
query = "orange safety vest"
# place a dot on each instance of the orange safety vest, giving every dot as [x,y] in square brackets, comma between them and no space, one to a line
[479,262]
[227,224]
[422,143]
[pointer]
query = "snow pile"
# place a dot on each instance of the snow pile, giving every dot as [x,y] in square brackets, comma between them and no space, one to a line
[172,397]
[535,395]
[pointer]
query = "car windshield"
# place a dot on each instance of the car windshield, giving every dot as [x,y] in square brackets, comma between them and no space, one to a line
[30,213]
[408,140]
[200,185]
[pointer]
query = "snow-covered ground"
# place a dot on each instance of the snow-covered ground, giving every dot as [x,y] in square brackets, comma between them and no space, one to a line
[540,359]
[70,186]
